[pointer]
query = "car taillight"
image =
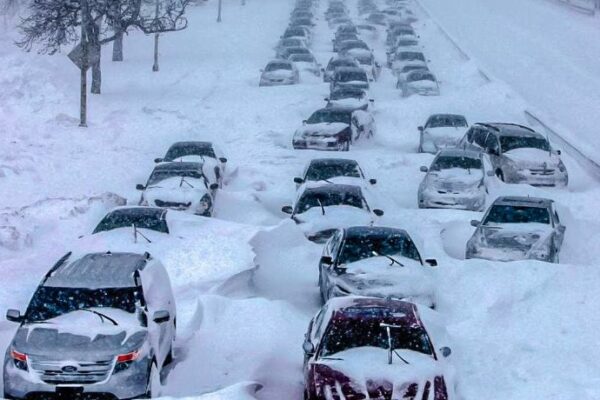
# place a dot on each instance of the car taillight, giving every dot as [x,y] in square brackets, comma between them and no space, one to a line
[20,359]
[128,357]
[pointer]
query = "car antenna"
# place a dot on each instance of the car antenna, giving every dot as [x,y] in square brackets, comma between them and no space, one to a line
[136,232]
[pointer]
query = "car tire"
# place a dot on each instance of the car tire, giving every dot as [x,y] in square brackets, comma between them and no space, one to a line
[153,388]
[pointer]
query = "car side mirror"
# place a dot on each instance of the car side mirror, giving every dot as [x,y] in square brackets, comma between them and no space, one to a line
[373,181]
[139,186]
[223,160]
[326,99]
[432,262]
[327,260]
[287,209]
[309,348]
[558,152]
[14,316]
[445,351]
[490,173]
[298,180]
[378,212]
[161,316]
[214,186]
[158,160]
[424,169]
[372,100]
[421,129]
[304,122]
[474,223]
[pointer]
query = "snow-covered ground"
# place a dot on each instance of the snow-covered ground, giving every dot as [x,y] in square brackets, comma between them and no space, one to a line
[246,285]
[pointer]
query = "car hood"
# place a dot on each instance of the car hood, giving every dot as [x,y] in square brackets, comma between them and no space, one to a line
[451,134]
[366,370]
[172,190]
[306,65]
[378,277]
[454,178]
[82,334]
[322,129]
[350,103]
[313,220]
[533,158]
[521,237]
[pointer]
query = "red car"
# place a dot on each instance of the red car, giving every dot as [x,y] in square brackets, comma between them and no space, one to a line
[371,348]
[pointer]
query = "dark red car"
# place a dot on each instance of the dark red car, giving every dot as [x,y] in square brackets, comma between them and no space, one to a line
[371,348]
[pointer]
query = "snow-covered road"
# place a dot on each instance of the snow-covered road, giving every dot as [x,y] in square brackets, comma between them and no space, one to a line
[246,288]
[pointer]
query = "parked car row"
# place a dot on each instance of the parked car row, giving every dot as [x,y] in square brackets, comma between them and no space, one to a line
[102,323]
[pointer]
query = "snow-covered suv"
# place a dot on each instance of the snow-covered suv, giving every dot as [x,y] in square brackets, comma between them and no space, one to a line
[99,325]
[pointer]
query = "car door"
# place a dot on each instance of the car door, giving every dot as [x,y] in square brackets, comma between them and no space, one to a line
[313,335]
[492,149]
[332,250]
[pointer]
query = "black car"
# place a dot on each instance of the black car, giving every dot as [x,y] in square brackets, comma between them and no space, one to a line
[370,261]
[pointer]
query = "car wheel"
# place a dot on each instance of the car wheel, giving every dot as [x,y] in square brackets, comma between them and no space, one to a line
[153,389]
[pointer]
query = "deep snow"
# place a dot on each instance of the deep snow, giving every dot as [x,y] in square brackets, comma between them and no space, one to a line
[246,284]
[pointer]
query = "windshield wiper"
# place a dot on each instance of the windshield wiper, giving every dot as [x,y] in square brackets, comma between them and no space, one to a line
[321,205]
[183,180]
[392,259]
[332,358]
[101,315]
[136,232]
[391,350]
[154,187]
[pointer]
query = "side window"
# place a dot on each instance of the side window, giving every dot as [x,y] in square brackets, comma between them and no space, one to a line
[336,242]
[471,134]
[479,138]
[317,328]
[491,144]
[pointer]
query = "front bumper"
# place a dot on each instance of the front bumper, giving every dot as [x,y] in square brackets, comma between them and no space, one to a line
[459,201]
[430,145]
[280,82]
[505,254]
[130,383]
[316,143]
[554,177]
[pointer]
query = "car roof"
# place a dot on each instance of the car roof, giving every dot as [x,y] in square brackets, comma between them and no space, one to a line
[523,201]
[459,152]
[97,270]
[139,211]
[508,129]
[333,188]
[332,161]
[178,166]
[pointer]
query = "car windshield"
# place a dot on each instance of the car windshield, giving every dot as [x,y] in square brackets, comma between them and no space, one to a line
[341,63]
[441,121]
[160,175]
[365,60]
[506,214]
[52,302]
[449,162]
[278,66]
[416,76]
[192,149]
[302,58]
[349,76]
[295,32]
[407,42]
[338,198]
[327,171]
[508,143]
[142,218]
[345,93]
[410,56]
[359,247]
[297,50]
[323,116]
[354,45]
[364,330]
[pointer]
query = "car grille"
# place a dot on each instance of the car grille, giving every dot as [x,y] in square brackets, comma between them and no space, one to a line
[172,204]
[68,396]
[80,372]
[541,171]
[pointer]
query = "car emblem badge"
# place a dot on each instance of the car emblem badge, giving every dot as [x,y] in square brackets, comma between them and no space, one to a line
[69,369]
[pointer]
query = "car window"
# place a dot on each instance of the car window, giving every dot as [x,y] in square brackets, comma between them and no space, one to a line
[491,144]
[479,137]
[508,214]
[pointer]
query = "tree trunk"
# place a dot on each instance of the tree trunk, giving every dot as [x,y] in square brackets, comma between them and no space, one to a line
[155,67]
[117,54]
[96,72]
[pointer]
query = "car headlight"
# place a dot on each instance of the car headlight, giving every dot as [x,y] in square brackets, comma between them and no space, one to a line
[19,359]
[204,203]
[540,252]
[125,360]
[561,166]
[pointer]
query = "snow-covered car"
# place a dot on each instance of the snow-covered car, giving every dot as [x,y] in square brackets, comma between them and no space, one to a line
[403,73]
[334,129]
[279,72]
[368,31]
[349,97]
[212,158]
[405,58]
[347,28]
[333,170]
[366,60]
[403,44]
[335,63]
[100,325]
[420,82]
[441,131]
[376,18]
[306,62]
[302,22]
[374,261]
[347,45]
[297,32]
[397,29]
[284,44]
[518,154]
[136,217]
[518,228]
[337,21]
[179,185]
[319,210]
[349,77]
[372,348]
[341,38]
[455,179]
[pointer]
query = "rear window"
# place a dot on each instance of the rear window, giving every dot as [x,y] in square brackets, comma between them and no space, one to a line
[506,214]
